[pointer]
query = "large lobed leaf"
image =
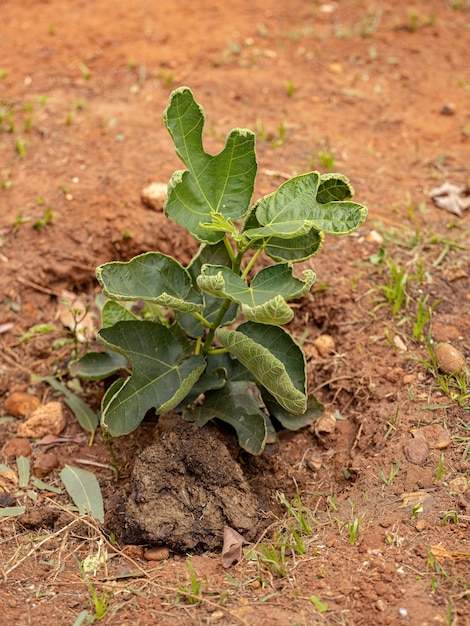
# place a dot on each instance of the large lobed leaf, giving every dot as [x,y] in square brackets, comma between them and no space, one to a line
[274,359]
[264,300]
[240,405]
[161,375]
[307,202]
[222,184]
[151,276]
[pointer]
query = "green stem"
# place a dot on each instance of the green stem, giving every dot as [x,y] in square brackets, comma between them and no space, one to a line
[202,319]
[220,316]
[252,262]
[229,248]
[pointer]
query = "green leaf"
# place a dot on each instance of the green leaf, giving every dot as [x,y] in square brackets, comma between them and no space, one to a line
[214,255]
[294,249]
[319,605]
[87,418]
[334,187]
[222,184]
[22,465]
[152,276]
[273,357]
[264,299]
[294,209]
[240,405]
[113,312]
[39,484]
[12,511]
[98,365]
[289,420]
[161,376]
[83,487]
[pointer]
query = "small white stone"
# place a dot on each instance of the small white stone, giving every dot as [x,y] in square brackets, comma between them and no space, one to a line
[402,612]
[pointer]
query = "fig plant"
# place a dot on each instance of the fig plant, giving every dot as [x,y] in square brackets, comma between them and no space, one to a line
[216,335]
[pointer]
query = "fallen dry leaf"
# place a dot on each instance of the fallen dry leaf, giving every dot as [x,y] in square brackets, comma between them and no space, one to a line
[442,553]
[452,198]
[232,549]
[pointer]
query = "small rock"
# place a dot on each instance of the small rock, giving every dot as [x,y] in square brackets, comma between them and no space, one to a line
[216,615]
[416,451]
[447,109]
[381,605]
[18,446]
[459,485]
[314,463]
[449,359]
[20,404]
[436,437]
[157,553]
[325,344]
[374,237]
[46,419]
[325,424]
[45,463]
[154,196]
[6,499]
[134,552]
[409,378]
[421,525]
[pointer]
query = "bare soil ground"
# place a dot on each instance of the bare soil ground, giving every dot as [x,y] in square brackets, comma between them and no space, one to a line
[379,91]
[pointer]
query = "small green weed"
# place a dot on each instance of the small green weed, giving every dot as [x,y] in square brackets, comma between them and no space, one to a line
[388,480]
[192,591]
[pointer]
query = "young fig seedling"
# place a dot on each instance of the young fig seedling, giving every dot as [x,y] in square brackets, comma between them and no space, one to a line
[225,342]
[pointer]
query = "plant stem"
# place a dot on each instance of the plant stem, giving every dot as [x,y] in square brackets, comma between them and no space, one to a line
[252,262]
[220,316]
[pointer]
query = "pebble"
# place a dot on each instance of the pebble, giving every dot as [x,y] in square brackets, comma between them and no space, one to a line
[435,435]
[325,345]
[46,419]
[154,196]
[20,404]
[449,359]
[325,424]
[314,463]
[157,553]
[18,446]
[458,485]
[45,463]
[416,451]
[134,552]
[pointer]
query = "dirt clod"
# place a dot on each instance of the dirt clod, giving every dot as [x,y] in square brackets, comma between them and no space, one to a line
[416,451]
[185,488]
[20,404]
[46,419]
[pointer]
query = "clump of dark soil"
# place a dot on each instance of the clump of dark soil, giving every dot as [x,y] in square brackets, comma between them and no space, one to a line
[184,489]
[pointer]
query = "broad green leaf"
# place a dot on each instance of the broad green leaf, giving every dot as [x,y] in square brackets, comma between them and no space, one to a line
[83,487]
[12,511]
[98,365]
[334,187]
[294,249]
[151,276]
[214,255]
[222,184]
[113,312]
[274,358]
[289,420]
[86,417]
[264,299]
[294,209]
[240,405]
[161,376]
[22,465]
